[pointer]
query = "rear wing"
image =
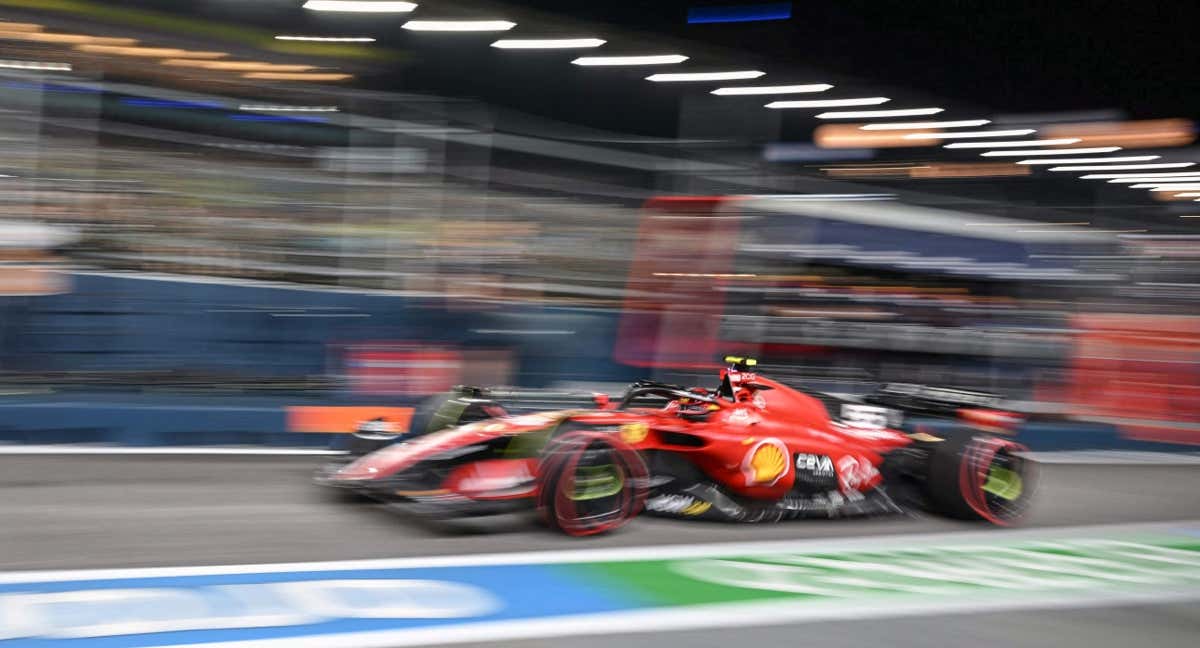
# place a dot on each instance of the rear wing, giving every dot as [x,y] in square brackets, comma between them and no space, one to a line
[932,401]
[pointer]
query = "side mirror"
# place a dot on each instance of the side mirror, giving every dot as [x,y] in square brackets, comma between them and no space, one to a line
[601,400]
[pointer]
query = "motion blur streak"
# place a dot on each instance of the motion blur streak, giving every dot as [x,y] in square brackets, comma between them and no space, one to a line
[783,89]
[548,43]
[877,114]
[1149,133]
[965,123]
[968,170]
[852,136]
[459,25]
[1042,142]
[650,59]
[828,103]
[364,6]
[250,251]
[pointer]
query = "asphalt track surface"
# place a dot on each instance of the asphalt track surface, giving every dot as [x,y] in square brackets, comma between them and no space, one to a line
[61,512]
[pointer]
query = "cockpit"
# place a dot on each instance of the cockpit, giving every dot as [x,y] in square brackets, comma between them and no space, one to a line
[697,403]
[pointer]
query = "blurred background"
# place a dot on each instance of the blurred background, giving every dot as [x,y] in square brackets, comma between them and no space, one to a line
[239,228]
[344,205]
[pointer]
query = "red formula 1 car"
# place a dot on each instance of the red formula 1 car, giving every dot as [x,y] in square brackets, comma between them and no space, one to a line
[750,450]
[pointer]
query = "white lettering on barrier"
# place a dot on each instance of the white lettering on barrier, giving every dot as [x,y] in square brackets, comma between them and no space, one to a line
[115,612]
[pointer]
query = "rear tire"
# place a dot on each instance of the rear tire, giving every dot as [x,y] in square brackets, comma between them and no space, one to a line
[980,477]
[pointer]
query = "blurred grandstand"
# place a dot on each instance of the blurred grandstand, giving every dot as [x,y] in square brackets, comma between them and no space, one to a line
[842,273]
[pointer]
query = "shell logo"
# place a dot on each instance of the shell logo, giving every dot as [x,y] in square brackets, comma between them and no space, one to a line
[634,432]
[766,463]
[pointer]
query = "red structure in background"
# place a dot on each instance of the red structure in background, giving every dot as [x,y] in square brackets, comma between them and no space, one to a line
[399,369]
[1141,372]
[672,312]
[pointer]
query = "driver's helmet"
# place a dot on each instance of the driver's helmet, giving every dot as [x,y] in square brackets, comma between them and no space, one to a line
[695,409]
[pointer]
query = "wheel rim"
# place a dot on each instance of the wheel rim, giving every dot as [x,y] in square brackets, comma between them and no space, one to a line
[995,480]
[598,485]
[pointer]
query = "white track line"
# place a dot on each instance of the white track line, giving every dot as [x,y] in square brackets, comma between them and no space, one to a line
[162,450]
[727,615]
[1115,457]
[990,535]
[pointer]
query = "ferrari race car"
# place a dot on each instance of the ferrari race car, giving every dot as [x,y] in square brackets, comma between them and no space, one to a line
[750,450]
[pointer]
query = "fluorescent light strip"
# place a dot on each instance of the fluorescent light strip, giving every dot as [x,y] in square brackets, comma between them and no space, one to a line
[1188,194]
[965,123]
[458,25]
[995,133]
[1127,158]
[829,103]
[36,65]
[328,39]
[783,89]
[875,114]
[360,6]
[1126,167]
[273,108]
[655,59]
[706,76]
[1194,177]
[1045,142]
[1183,186]
[548,43]
[1116,177]
[1065,151]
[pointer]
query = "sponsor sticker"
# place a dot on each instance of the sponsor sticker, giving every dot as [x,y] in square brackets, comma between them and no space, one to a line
[634,432]
[815,465]
[677,504]
[766,463]
[856,473]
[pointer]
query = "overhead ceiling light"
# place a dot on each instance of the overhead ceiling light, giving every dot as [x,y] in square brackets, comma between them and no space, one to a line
[1126,167]
[36,65]
[995,133]
[361,6]
[1188,194]
[965,123]
[707,76]
[548,43]
[1186,186]
[875,114]
[150,52]
[657,59]
[781,89]
[458,25]
[274,108]
[297,76]
[829,103]
[1042,142]
[328,39]
[1065,151]
[1182,177]
[1126,158]
[1167,174]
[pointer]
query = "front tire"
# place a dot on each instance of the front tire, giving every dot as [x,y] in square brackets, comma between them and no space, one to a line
[980,477]
[591,483]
